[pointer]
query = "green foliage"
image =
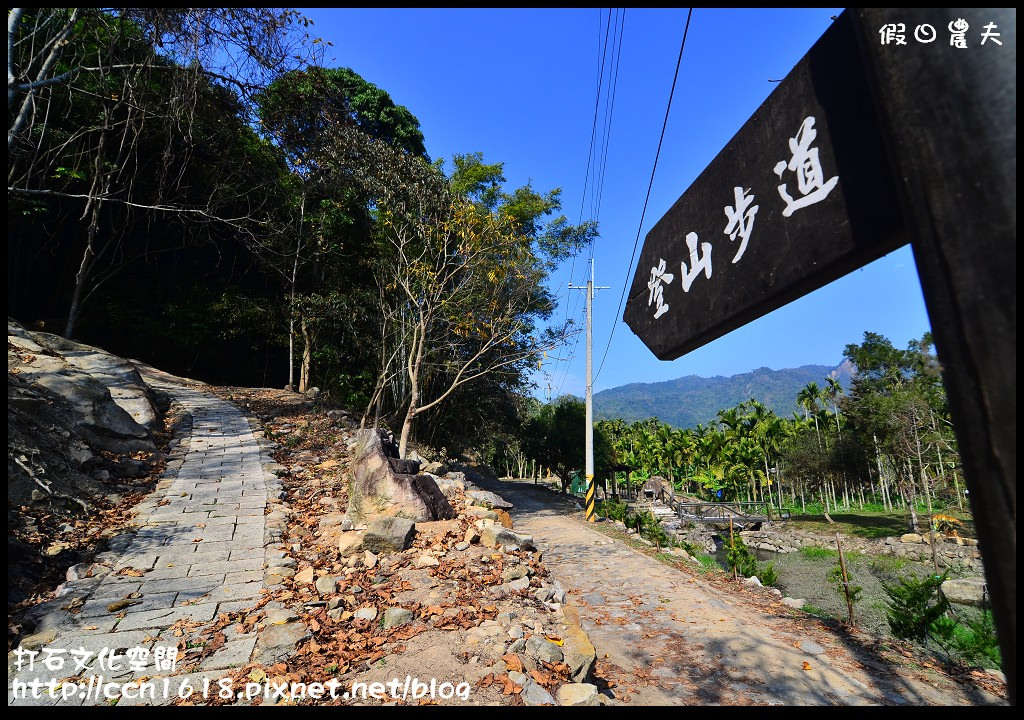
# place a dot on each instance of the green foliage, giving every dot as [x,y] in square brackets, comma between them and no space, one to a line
[555,438]
[913,604]
[817,553]
[816,611]
[768,574]
[885,564]
[707,562]
[688,401]
[835,579]
[613,509]
[740,558]
[975,642]
[649,528]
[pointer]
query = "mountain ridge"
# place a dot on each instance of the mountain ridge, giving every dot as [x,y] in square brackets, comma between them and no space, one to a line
[691,399]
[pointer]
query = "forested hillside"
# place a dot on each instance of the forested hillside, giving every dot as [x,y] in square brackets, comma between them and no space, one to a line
[688,401]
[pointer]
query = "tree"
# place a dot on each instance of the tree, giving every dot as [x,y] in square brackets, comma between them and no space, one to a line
[104,117]
[558,440]
[301,112]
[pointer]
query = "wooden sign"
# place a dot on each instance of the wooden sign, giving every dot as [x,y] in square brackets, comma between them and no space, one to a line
[800,196]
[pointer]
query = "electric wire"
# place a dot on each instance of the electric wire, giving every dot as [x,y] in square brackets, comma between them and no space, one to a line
[657,154]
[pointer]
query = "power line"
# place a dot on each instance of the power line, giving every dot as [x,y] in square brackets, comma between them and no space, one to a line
[609,114]
[657,154]
[602,49]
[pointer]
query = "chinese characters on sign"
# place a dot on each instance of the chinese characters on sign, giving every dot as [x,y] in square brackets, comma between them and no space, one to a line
[895,33]
[811,188]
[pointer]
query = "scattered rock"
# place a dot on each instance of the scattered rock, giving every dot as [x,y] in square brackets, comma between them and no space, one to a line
[911,538]
[277,642]
[579,653]
[811,648]
[515,572]
[366,613]
[487,499]
[534,694]
[495,535]
[381,482]
[350,543]
[427,561]
[795,603]
[326,585]
[577,694]
[395,616]
[389,534]
[472,536]
[753,581]
[462,546]
[304,576]
[435,468]
[369,560]
[543,649]
[544,594]
[279,615]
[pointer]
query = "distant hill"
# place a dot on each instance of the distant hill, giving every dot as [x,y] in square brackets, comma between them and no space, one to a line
[690,400]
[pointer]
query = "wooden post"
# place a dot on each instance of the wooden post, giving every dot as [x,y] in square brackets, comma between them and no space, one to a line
[949,118]
[846,581]
[732,544]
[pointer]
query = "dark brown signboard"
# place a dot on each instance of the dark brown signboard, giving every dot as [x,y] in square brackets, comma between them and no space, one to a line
[800,196]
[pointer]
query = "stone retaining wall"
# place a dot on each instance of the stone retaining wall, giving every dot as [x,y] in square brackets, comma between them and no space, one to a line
[950,552]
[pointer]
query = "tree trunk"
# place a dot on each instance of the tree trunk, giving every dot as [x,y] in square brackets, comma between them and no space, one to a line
[307,355]
[403,444]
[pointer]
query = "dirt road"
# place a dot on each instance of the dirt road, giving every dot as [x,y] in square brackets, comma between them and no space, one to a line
[670,637]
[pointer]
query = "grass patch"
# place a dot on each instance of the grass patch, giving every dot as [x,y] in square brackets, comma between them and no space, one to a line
[818,553]
[866,525]
[887,563]
[817,612]
[707,562]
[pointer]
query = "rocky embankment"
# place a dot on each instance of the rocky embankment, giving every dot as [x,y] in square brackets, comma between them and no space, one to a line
[392,567]
[82,432]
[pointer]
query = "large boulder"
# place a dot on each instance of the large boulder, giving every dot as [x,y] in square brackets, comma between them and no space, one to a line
[127,388]
[966,591]
[376,489]
[103,391]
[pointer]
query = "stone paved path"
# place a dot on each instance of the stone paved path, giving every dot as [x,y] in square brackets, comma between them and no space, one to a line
[200,550]
[678,640]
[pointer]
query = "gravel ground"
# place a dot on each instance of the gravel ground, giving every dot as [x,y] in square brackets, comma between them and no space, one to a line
[805,577]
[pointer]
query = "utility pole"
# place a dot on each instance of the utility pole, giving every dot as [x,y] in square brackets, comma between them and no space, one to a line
[590,288]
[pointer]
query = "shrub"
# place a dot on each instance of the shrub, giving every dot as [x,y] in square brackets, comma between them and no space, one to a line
[975,643]
[740,558]
[914,604]
[835,577]
[614,510]
[767,574]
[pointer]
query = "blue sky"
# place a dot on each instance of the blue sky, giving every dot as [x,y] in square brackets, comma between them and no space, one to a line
[520,86]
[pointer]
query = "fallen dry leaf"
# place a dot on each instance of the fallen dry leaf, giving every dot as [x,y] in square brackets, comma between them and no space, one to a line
[512,662]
